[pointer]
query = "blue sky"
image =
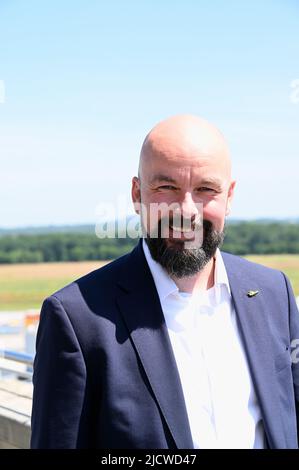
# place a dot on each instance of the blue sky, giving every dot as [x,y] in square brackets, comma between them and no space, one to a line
[86,80]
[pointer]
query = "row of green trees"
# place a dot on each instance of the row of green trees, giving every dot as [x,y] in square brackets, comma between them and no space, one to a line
[241,238]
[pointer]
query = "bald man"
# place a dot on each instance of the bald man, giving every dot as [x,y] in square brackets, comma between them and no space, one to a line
[177,344]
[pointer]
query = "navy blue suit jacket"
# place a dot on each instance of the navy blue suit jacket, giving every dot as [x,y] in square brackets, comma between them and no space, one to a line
[105,375]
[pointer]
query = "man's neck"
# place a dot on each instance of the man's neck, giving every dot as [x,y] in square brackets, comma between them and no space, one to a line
[203,280]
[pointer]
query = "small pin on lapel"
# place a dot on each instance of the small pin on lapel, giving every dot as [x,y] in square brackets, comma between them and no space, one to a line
[252,293]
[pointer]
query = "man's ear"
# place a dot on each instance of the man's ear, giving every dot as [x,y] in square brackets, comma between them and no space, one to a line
[230,197]
[135,192]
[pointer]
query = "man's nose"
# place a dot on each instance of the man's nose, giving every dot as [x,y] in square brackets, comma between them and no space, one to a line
[189,208]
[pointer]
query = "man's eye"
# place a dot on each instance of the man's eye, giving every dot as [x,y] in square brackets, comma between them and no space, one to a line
[167,186]
[205,189]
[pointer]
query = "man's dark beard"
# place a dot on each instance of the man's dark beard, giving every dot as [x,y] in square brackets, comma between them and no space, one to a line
[184,262]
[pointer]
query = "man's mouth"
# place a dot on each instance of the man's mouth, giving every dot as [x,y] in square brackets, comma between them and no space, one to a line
[179,228]
[181,232]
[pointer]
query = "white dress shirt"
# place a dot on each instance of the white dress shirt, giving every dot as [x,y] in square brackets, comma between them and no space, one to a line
[219,394]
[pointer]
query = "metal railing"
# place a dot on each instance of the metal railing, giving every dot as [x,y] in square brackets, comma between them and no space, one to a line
[12,357]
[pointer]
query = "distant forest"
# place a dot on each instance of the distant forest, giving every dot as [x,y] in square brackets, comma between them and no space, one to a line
[69,244]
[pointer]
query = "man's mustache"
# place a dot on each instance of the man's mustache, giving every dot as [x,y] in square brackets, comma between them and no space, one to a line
[161,230]
[181,222]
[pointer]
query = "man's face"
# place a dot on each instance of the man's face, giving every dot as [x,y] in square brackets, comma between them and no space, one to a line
[200,187]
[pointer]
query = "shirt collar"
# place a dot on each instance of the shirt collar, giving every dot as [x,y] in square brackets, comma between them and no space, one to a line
[220,276]
[166,286]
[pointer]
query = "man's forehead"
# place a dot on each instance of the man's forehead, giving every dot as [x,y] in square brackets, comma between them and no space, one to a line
[179,163]
[163,177]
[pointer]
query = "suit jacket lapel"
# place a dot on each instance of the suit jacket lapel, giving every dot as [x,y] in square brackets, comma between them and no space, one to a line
[141,310]
[255,332]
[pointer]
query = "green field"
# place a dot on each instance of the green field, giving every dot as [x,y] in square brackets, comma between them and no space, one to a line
[24,286]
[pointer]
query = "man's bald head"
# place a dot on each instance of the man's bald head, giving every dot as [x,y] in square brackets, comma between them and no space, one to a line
[184,174]
[184,136]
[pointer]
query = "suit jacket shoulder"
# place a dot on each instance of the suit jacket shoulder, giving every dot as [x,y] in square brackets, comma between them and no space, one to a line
[254,274]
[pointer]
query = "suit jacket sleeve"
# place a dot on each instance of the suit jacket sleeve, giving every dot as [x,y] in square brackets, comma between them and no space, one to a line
[294,331]
[59,381]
